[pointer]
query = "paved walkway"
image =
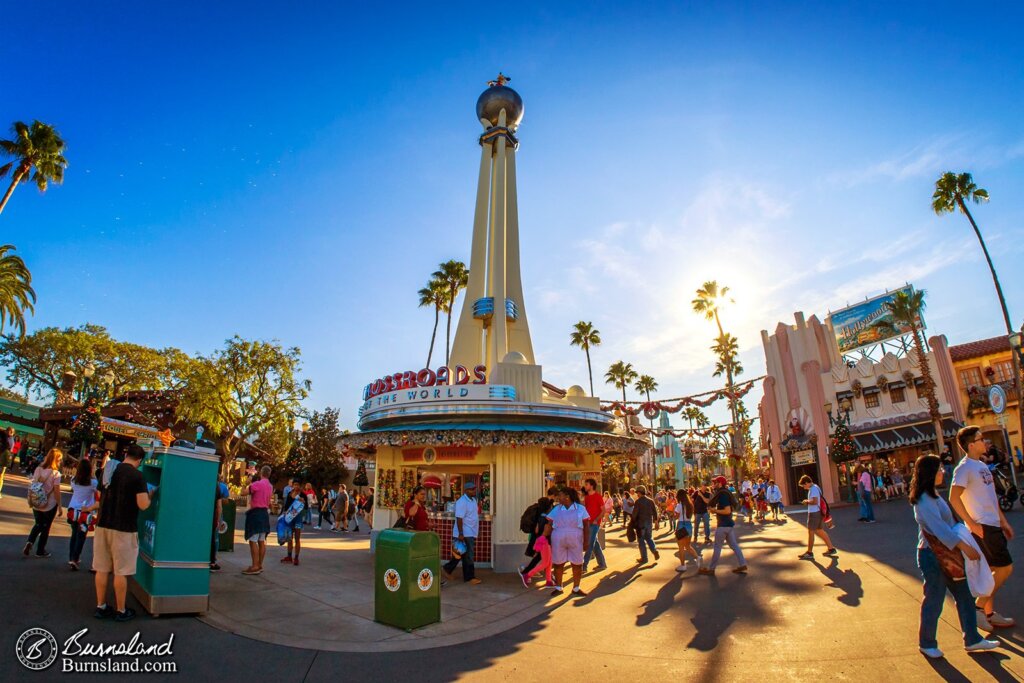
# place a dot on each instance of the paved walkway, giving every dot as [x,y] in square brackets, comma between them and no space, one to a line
[332,594]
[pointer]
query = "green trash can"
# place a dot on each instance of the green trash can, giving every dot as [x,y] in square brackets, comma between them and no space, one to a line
[407,579]
[226,540]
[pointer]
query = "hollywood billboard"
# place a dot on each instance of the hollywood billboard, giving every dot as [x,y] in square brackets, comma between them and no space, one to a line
[858,326]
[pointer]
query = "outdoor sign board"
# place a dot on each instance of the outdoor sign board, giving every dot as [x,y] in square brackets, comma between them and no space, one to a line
[857,326]
[997,398]
[805,457]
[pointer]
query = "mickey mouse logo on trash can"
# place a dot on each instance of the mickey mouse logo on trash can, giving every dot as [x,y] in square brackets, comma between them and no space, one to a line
[392,580]
[425,580]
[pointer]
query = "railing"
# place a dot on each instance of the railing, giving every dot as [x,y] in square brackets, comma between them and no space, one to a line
[977,396]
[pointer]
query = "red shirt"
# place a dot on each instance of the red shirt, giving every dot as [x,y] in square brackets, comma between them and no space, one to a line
[419,521]
[594,502]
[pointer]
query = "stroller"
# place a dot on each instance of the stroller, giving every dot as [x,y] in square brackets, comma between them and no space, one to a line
[1006,490]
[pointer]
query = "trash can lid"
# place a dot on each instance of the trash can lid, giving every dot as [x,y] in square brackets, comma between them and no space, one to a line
[414,542]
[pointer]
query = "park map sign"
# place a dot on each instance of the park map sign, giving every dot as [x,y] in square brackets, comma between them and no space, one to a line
[858,326]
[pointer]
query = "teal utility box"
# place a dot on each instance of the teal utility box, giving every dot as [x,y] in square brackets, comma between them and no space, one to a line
[173,571]
[407,581]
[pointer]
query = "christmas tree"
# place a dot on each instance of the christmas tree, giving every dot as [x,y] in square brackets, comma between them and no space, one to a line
[842,447]
[360,479]
[85,430]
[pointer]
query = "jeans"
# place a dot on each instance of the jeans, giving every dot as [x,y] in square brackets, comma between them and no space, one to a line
[468,570]
[726,534]
[594,549]
[867,511]
[643,537]
[41,529]
[935,585]
[78,536]
[704,517]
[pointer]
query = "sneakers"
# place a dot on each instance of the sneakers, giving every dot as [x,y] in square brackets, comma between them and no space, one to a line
[681,568]
[740,570]
[317,527]
[983,646]
[214,567]
[999,621]
[522,576]
[296,561]
[73,565]
[869,521]
[127,615]
[28,547]
[657,556]
[44,554]
[103,612]
[578,593]
[557,591]
[286,560]
[934,652]
[983,623]
[806,556]
[831,552]
[474,582]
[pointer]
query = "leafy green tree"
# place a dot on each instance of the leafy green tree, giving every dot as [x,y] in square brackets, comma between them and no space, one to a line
[454,276]
[321,460]
[906,311]
[243,391]
[37,147]
[38,361]
[621,375]
[435,294]
[16,293]
[586,336]
[12,395]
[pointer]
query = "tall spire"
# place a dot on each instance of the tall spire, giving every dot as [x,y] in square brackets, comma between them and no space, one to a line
[493,320]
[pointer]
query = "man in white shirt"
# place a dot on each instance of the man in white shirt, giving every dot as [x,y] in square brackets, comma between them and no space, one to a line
[973,497]
[774,498]
[465,529]
[814,521]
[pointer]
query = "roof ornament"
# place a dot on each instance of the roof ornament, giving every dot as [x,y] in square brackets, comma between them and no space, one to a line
[502,79]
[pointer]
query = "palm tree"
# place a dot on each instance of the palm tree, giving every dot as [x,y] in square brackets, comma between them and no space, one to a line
[434,294]
[727,349]
[690,414]
[38,146]
[621,375]
[906,310]
[585,336]
[16,293]
[645,384]
[952,192]
[455,276]
[710,298]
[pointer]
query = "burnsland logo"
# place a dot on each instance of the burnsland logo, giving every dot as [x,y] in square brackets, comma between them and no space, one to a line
[37,650]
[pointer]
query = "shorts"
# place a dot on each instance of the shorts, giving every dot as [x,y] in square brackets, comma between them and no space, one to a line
[567,546]
[684,529]
[257,525]
[813,521]
[993,546]
[115,552]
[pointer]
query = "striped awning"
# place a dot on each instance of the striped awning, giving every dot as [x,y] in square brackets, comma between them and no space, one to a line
[918,434]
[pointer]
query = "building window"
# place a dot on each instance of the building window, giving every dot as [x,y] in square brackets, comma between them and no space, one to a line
[871,400]
[897,395]
[970,377]
[1003,370]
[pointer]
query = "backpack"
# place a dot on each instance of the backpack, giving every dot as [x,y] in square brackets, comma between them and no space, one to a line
[528,520]
[37,496]
[826,511]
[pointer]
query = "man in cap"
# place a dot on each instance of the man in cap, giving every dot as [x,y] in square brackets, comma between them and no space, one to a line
[465,529]
[722,505]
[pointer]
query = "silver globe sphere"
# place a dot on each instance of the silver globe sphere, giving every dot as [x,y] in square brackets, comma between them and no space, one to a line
[496,98]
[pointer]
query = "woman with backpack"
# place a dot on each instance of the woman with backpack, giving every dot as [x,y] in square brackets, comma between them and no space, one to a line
[532,522]
[82,507]
[937,535]
[44,498]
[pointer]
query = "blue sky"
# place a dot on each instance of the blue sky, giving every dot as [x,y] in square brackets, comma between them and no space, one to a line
[297,174]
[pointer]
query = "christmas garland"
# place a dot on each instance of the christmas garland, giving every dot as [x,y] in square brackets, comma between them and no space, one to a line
[651,409]
[717,430]
[475,437]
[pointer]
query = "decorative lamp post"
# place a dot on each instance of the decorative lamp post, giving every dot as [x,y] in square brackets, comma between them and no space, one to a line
[841,417]
[87,372]
[1015,354]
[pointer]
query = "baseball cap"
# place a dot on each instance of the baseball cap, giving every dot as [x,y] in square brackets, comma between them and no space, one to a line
[470,485]
[720,480]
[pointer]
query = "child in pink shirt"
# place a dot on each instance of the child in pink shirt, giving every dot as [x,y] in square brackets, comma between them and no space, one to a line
[542,546]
